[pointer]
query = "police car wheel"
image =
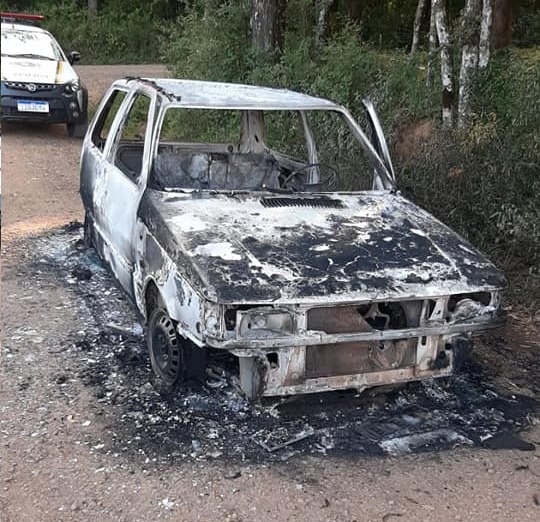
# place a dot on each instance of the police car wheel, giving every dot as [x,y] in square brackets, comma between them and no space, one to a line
[77,130]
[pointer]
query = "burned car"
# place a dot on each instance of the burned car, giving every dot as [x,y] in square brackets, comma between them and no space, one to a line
[268,223]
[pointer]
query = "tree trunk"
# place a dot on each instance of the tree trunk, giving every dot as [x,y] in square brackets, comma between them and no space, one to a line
[354,9]
[469,58]
[264,27]
[432,45]
[447,72]
[502,23]
[323,7]
[416,26]
[172,9]
[484,46]
[92,8]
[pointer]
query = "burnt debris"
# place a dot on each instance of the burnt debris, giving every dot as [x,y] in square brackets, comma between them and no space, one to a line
[215,420]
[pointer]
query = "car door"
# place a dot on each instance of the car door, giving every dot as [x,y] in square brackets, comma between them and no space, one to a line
[94,153]
[124,180]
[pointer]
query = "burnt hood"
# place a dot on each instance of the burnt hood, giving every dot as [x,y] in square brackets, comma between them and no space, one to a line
[261,248]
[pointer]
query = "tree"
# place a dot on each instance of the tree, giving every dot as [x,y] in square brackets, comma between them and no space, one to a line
[502,23]
[354,9]
[469,57]
[447,71]
[484,47]
[323,8]
[475,53]
[92,8]
[264,27]
[416,26]
[432,45]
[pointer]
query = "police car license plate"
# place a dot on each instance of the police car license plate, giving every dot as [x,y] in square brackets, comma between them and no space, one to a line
[32,106]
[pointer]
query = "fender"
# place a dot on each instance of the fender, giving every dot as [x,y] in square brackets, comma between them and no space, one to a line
[184,305]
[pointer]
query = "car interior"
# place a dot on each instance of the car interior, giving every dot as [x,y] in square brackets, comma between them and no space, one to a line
[250,160]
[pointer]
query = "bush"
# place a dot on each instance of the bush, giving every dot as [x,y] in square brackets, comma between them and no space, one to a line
[119,34]
[207,47]
[485,182]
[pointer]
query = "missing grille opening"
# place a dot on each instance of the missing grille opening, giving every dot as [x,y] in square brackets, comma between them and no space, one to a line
[481,297]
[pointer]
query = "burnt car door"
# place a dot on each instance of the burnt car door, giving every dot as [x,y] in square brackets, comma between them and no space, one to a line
[120,180]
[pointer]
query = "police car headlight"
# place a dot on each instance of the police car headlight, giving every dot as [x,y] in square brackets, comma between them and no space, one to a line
[72,87]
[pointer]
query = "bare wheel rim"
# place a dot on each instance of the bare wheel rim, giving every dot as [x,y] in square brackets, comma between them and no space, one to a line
[165,348]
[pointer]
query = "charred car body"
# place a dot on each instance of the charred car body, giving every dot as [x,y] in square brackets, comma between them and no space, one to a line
[219,210]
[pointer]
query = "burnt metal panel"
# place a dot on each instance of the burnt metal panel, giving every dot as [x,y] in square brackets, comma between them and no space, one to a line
[353,358]
[378,245]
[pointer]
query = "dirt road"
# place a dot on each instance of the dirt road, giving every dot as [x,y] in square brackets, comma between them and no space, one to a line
[83,437]
[40,163]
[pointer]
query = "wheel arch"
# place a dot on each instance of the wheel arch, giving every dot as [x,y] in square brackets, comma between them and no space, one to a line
[158,296]
[178,299]
[152,297]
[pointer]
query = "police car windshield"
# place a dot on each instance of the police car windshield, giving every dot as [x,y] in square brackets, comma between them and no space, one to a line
[29,44]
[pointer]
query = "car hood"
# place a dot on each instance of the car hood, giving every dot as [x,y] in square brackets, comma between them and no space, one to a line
[255,248]
[36,71]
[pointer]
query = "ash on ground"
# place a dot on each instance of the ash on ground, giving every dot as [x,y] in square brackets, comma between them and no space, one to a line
[216,421]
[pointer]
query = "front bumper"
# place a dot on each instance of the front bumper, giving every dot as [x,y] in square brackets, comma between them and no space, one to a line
[310,338]
[63,107]
[319,362]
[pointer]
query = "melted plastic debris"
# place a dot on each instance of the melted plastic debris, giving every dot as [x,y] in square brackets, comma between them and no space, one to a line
[417,441]
[216,421]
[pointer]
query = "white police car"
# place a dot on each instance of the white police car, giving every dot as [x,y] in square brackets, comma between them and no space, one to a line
[39,83]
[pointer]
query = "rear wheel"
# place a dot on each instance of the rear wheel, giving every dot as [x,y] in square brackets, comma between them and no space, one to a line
[166,351]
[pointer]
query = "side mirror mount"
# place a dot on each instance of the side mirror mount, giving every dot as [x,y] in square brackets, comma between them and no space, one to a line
[74,56]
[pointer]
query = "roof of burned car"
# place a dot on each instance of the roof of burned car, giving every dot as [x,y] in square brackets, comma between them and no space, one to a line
[194,93]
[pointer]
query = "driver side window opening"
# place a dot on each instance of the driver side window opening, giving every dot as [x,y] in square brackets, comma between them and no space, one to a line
[127,153]
[103,126]
[284,134]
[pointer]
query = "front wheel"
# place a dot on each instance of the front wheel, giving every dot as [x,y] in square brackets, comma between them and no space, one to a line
[166,351]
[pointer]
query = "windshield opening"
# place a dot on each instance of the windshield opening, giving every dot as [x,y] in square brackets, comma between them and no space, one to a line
[274,150]
[29,44]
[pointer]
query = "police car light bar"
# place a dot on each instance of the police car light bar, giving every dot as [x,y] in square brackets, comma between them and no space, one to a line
[21,16]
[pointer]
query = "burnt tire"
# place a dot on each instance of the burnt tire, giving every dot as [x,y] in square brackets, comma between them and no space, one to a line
[166,352]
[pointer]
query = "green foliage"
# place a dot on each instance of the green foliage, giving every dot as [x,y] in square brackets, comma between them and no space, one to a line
[485,181]
[496,97]
[526,23]
[123,31]
[201,126]
[212,45]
